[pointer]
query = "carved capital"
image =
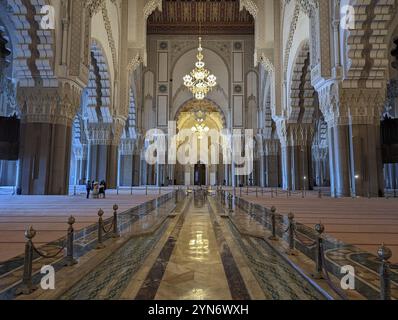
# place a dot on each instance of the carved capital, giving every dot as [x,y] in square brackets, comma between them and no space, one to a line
[50,105]
[343,106]
[295,134]
[105,133]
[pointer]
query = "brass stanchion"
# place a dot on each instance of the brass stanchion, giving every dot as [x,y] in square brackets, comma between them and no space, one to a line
[273,224]
[385,254]
[27,286]
[320,229]
[70,260]
[290,230]
[100,245]
[115,223]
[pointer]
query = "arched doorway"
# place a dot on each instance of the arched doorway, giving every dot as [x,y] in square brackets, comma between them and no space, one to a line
[200,174]
[201,119]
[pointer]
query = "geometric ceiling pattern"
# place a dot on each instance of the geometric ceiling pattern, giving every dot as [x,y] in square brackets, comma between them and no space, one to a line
[185,16]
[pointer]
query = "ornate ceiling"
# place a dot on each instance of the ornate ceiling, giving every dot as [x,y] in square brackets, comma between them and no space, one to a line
[216,17]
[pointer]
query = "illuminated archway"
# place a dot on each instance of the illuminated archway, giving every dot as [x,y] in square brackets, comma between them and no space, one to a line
[199,119]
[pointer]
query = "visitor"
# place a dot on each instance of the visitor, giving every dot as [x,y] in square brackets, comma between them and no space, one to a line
[95,190]
[102,188]
[88,188]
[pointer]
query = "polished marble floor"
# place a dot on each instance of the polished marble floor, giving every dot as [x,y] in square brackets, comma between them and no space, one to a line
[198,255]
[365,223]
[49,215]
[188,246]
[195,270]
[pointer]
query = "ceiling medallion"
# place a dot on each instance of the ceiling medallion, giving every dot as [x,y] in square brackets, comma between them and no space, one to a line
[200,82]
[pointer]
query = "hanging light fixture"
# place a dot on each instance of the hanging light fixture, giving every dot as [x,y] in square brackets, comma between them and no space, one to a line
[200,129]
[200,82]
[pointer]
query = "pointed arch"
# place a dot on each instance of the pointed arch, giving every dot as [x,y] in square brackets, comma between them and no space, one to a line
[98,106]
[33,46]
[302,94]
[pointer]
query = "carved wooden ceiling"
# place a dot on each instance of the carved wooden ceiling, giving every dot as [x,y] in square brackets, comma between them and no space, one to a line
[215,16]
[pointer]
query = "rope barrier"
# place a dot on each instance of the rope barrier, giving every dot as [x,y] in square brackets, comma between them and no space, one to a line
[27,286]
[321,271]
[48,256]
[385,254]
[101,227]
[110,228]
[337,290]
[307,244]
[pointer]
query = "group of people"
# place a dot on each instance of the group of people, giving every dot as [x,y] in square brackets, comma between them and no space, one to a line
[97,189]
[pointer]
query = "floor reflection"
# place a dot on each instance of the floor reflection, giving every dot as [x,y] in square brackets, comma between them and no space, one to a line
[199,246]
[195,269]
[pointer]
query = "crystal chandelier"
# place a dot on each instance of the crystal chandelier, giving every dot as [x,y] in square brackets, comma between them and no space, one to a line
[200,129]
[200,82]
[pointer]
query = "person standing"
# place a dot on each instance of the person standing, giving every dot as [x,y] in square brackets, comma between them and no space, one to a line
[102,188]
[88,188]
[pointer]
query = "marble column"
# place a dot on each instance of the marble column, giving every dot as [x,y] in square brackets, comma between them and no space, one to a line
[272,164]
[111,168]
[136,169]
[46,137]
[103,161]
[228,175]
[151,174]
[262,171]
[332,162]
[8,172]
[287,167]
[92,169]
[126,170]
[320,166]
[317,170]
[82,171]
[45,158]
[295,167]
[366,165]
[144,173]
[234,178]
[302,170]
[342,161]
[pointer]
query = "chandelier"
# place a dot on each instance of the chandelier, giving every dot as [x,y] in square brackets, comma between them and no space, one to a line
[200,82]
[200,129]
